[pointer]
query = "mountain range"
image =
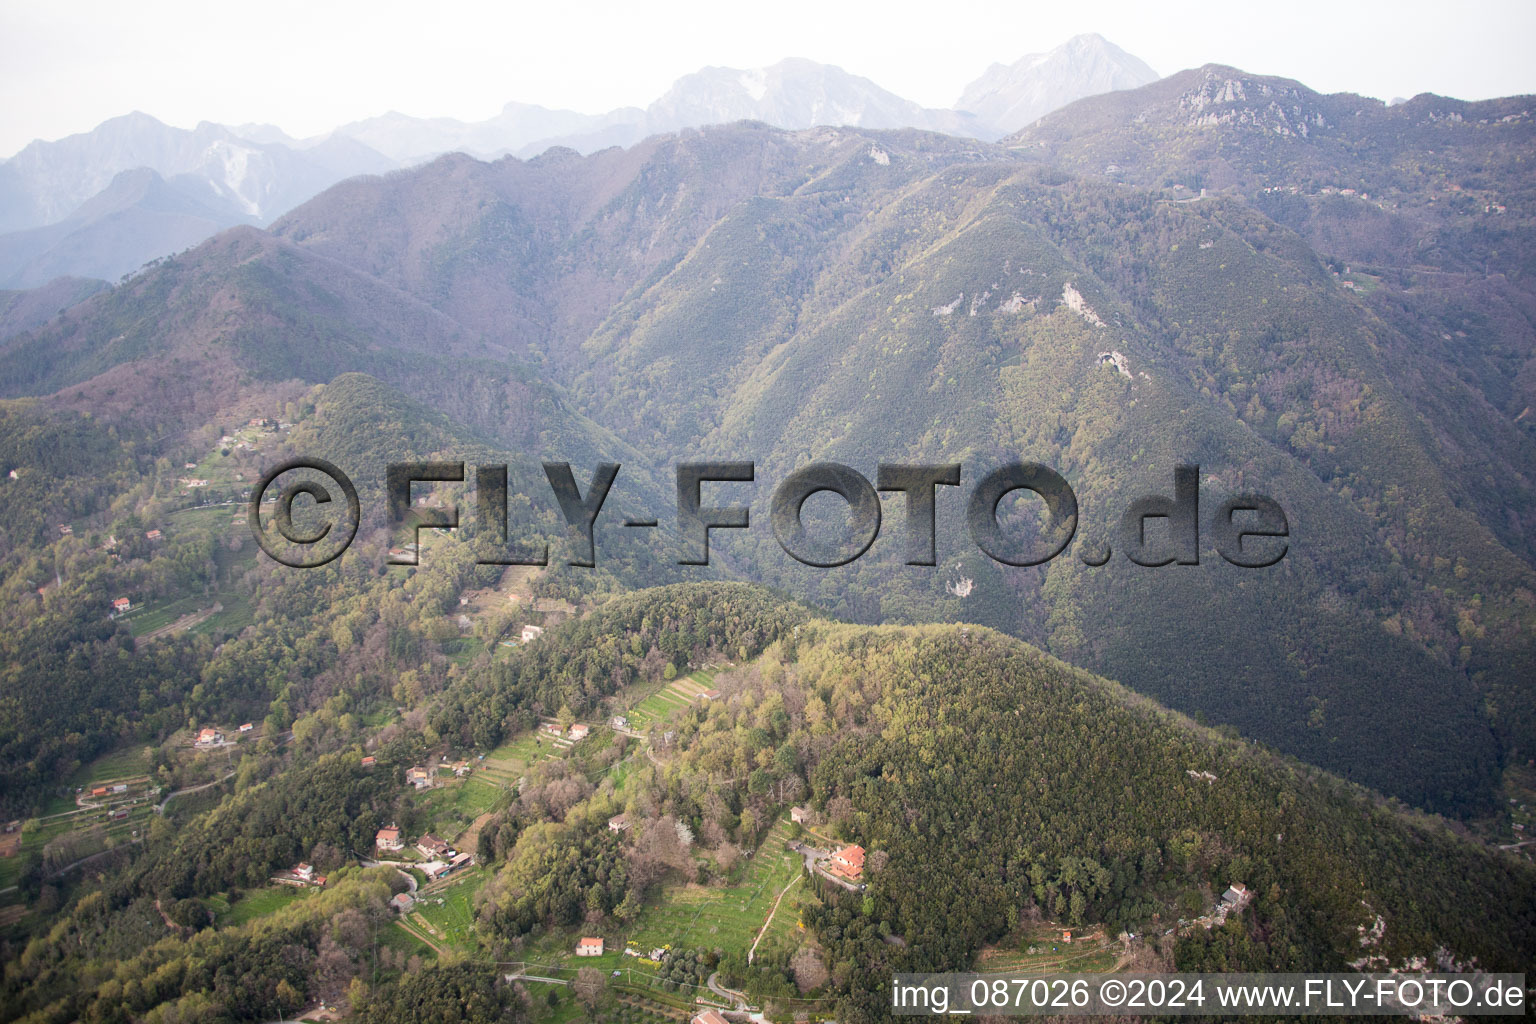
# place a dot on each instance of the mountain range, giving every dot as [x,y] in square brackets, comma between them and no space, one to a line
[63,210]
[792,783]
[1150,277]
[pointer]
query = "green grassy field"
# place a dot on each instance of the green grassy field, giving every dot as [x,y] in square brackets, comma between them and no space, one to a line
[727,917]
[656,708]
[260,903]
[521,751]
[123,763]
[10,870]
[237,614]
[216,518]
[452,807]
[406,941]
[453,922]
[150,617]
[463,650]
[476,796]
[225,523]
[785,933]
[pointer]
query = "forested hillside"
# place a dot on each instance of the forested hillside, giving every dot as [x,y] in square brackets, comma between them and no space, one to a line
[993,784]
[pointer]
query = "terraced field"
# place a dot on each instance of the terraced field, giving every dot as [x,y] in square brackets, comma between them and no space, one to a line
[1043,950]
[666,703]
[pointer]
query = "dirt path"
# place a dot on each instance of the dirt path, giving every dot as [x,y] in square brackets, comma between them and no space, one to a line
[420,936]
[66,869]
[160,808]
[752,953]
[184,623]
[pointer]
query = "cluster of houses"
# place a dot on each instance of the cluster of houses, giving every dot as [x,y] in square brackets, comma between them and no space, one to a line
[577,731]
[425,777]
[442,859]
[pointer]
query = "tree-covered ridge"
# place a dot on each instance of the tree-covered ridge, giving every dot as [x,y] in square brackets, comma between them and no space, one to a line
[991,783]
[1000,784]
[632,637]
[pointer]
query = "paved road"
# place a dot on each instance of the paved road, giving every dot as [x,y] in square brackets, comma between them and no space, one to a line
[160,808]
[736,999]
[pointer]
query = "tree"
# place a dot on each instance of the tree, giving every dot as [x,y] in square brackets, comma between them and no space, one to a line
[808,969]
[288,996]
[589,985]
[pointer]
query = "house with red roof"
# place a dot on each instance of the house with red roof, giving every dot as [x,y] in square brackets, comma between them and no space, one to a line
[849,862]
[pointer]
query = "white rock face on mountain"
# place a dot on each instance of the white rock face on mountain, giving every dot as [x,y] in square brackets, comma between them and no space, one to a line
[137,217]
[1008,97]
[216,176]
[794,94]
[47,181]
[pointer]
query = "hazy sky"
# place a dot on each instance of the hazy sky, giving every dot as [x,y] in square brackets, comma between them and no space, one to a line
[66,65]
